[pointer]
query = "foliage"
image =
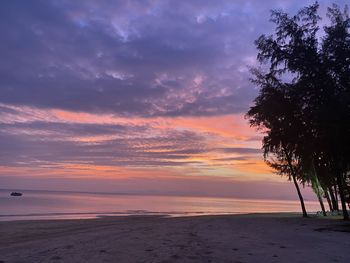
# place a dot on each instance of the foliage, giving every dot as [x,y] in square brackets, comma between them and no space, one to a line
[304,102]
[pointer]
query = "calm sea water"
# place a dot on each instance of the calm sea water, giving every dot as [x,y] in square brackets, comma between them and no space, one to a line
[61,205]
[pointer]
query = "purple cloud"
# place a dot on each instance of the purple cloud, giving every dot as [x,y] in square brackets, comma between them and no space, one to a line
[131,59]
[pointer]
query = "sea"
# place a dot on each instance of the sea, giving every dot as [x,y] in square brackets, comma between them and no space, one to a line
[34,205]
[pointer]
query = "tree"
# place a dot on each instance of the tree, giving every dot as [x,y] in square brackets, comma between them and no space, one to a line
[304,101]
[281,136]
[335,124]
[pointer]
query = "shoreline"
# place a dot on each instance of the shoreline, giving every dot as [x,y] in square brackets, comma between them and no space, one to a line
[266,237]
[131,213]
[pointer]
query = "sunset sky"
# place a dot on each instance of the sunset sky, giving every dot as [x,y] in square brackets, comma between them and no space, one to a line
[134,97]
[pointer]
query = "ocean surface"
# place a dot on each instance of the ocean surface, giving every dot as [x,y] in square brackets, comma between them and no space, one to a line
[70,205]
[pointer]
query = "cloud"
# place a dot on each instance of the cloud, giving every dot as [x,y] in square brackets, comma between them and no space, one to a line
[119,85]
[240,150]
[146,59]
[229,159]
[58,144]
[139,58]
[42,143]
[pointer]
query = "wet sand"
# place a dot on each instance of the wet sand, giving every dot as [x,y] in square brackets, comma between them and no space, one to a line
[238,238]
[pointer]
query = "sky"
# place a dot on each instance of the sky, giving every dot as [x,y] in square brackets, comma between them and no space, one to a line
[142,97]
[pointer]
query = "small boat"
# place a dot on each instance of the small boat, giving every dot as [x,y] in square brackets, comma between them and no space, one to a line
[16,194]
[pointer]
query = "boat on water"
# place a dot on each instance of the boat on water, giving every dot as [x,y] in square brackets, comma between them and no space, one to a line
[16,194]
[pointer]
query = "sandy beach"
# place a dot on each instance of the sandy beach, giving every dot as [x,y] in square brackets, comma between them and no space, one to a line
[232,238]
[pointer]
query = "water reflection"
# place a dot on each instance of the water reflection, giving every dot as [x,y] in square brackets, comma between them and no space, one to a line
[59,205]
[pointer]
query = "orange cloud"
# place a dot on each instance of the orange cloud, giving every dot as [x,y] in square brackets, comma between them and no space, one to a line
[218,132]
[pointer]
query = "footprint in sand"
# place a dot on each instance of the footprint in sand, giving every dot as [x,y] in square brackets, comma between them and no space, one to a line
[283,247]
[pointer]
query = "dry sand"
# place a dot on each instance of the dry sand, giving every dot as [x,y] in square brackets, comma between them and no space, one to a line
[244,238]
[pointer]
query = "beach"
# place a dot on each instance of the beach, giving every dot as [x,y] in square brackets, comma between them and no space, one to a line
[224,238]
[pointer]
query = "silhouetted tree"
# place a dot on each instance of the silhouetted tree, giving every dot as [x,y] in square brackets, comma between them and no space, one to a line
[304,101]
[334,115]
[281,136]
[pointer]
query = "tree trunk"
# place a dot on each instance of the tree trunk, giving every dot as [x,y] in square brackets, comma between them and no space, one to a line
[347,187]
[300,196]
[340,182]
[336,195]
[326,194]
[322,205]
[334,201]
[294,175]
[316,186]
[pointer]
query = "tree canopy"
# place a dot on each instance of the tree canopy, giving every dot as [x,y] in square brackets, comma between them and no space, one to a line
[303,106]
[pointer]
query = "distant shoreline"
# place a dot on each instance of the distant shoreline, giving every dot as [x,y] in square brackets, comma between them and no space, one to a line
[148,194]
